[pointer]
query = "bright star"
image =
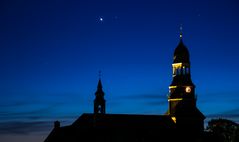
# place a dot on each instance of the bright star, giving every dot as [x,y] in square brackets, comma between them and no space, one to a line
[101,19]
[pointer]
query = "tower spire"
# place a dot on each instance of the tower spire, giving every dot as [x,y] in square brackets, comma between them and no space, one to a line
[181,31]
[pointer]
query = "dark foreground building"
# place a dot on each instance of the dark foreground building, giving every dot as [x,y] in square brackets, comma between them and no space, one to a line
[182,121]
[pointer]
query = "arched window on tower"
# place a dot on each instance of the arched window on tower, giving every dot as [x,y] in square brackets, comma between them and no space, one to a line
[174,71]
[99,109]
[187,70]
[178,71]
[184,71]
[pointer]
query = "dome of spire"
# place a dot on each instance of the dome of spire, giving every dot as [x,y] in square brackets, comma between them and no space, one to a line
[181,54]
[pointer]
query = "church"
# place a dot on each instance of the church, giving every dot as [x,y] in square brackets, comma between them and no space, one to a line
[183,121]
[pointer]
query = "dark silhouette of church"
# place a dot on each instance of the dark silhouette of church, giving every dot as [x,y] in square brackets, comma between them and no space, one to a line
[182,122]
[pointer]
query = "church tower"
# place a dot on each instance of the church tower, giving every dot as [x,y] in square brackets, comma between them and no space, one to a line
[99,102]
[182,98]
[182,88]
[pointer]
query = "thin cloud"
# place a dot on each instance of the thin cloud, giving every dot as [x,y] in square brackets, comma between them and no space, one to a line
[30,126]
[145,96]
[17,127]
[39,112]
[157,103]
[219,96]
[232,114]
[37,120]
[147,99]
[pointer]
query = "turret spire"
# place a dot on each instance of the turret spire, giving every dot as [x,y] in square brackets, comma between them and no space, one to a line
[99,86]
[100,74]
[99,102]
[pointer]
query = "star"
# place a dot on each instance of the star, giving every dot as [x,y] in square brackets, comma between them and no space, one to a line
[101,19]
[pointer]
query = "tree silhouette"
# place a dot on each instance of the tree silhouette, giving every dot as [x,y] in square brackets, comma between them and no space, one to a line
[227,130]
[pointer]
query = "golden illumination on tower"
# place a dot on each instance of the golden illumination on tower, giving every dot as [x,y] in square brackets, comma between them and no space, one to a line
[177,99]
[188,89]
[174,119]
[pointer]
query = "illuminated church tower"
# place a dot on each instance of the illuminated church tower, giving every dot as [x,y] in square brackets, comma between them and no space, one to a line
[182,98]
[99,102]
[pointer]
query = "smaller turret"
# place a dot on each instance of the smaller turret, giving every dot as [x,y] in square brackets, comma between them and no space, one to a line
[99,102]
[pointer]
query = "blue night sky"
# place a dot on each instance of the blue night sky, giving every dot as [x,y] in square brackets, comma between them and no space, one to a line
[51,52]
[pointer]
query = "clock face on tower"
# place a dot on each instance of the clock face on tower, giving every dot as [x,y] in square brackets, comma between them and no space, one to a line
[188,89]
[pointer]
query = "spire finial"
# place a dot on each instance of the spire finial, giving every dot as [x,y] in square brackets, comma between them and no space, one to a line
[100,74]
[181,31]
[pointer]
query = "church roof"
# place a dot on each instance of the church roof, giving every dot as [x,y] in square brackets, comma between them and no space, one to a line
[124,121]
[181,54]
[112,125]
